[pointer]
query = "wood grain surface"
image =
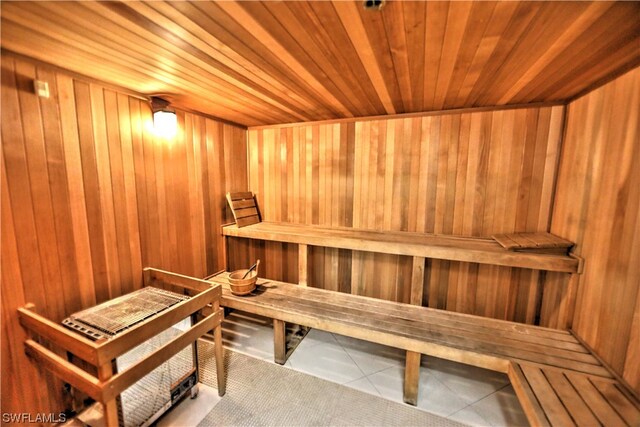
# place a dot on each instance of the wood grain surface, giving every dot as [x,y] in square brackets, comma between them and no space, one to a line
[473,174]
[597,205]
[486,343]
[422,245]
[259,63]
[89,197]
[554,398]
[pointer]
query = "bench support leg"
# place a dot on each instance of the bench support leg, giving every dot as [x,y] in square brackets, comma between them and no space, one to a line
[412,368]
[411,378]
[279,341]
[303,251]
[417,280]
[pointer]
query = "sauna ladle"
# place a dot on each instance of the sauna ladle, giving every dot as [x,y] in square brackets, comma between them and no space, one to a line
[253,267]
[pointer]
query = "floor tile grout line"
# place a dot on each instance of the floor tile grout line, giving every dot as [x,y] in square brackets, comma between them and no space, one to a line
[367,376]
[458,394]
[352,359]
[383,396]
[474,411]
[356,363]
[401,401]
[344,351]
[369,381]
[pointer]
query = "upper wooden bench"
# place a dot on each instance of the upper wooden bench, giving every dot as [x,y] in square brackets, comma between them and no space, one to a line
[453,248]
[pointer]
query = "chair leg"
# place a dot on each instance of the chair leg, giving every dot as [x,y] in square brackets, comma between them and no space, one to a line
[279,341]
[411,378]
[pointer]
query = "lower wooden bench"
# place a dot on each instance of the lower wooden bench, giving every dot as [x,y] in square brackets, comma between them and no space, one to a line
[564,398]
[503,346]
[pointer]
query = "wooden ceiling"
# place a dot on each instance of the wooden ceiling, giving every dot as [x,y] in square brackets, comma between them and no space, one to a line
[276,62]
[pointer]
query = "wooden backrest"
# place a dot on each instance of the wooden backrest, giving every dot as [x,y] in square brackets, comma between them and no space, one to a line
[244,208]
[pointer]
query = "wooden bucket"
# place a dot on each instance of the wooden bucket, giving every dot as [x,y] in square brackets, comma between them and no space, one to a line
[240,286]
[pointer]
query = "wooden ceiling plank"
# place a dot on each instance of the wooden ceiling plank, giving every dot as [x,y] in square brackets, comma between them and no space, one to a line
[515,29]
[100,45]
[376,33]
[68,56]
[241,39]
[596,70]
[415,22]
[71,61]
[436,20]
[225,42]
[625,45]
[269,63]
[593,12]
[284,21]
[608,78]
[546,27]
[457,20]
[120,15]
[25,20]
[240,15]
[210,108]
[225,54]
[596,41]
[393,19]
[479,19]
[211,60]
[334,37]
[497,24]
[352,23]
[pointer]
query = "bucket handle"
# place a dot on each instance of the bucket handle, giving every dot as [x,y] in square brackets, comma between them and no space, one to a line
[253,267]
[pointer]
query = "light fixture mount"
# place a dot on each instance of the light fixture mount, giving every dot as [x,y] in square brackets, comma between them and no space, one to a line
[165,122]
[160,104]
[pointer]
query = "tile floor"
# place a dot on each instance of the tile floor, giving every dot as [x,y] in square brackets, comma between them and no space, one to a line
[462,393]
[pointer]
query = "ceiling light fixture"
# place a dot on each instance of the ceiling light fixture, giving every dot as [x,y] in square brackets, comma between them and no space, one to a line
[165,121]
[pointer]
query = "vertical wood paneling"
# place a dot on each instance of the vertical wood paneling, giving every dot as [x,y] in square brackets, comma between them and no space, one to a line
[474,173]
[89,197]
[597,205]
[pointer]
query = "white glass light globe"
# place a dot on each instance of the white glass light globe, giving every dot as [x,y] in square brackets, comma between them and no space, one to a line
[165,123]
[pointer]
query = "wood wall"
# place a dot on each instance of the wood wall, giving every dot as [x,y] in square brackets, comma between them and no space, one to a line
[597,205]
[466,173]
[90,196]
